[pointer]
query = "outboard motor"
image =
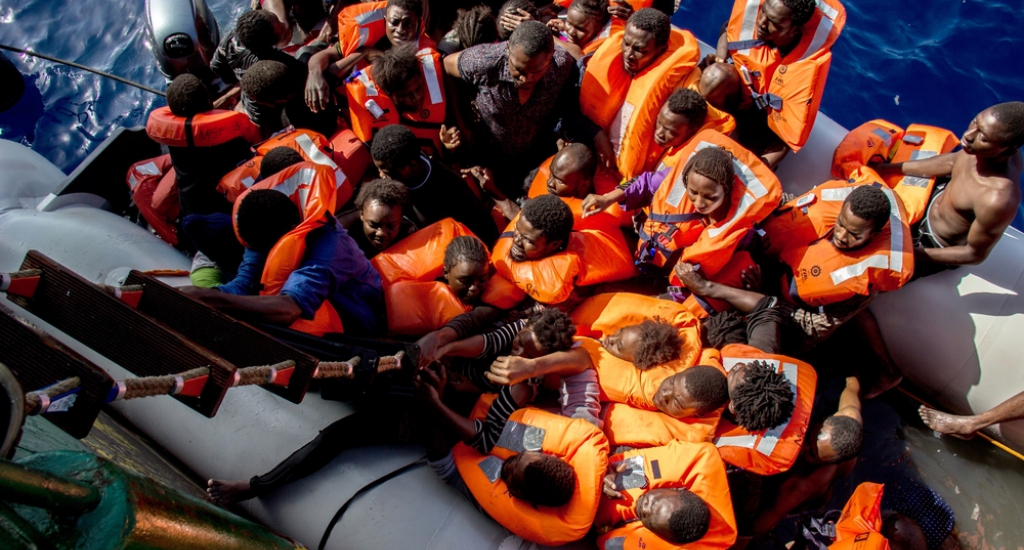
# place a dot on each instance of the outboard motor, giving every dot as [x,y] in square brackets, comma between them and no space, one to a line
[184,36]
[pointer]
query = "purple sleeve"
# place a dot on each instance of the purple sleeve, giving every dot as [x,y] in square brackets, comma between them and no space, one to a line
[476,63]
[641,190]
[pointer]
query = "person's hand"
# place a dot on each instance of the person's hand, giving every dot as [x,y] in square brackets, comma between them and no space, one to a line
[608,483]
[429,384]
[620,9]
[511,370]
[593,204]
[326,34]
[318,92]
[709,60]
[556,25]
[691,278]
[606,159]
[508,208]
[751,277]
[451,138]
[430,346]
[509,20]
[481,174]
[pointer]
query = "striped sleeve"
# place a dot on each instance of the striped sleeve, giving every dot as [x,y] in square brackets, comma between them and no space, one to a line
[488,431]
[499,341]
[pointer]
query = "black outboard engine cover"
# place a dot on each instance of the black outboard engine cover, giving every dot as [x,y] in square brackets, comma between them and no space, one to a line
[184,35]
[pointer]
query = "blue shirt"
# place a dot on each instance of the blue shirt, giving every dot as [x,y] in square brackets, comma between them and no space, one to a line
[333,268]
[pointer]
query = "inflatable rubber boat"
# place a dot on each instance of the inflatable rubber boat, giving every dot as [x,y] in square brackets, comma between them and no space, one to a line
[951,334]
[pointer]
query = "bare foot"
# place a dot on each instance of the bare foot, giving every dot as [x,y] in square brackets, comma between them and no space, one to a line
[228,492]
[962,427]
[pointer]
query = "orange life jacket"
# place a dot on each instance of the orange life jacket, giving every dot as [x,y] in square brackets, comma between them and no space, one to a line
[592,256]
[633,427]
[789,88]
[890,143]
[600,316]
[312,146]
[674,227]
[622,382]
[610,218]
[625,106]
[361,25]
[370,109]
[695,466]
[416,302]
[144,179]
[311,187]
[798,234]
[214,127]
[773,451]
[575,441]
[636,4]
[860,525]
[729,275]
[717,119]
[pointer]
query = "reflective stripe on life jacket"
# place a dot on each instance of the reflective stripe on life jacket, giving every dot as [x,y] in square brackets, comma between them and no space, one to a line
[695,466]
[626,106]
[214,127]
[799,235]
[370,109]
[632,427]
[860,525]
[890,143]
[592,256]
[674,228]
[576,441]
[313,147]
[144,180]
[789,88]
[610,218]
[635,4]
[772,451]
[311,188]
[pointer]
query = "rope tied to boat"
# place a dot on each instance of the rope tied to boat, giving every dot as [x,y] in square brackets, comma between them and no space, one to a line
[38,402]
[21,283]
[149,386]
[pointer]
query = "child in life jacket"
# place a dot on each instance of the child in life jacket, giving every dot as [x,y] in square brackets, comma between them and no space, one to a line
[587,23]
[537,477]
[378,219]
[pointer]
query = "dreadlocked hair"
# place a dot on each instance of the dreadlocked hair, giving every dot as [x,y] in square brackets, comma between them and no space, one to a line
[714,163]
[553,329]
[659,342]
[476,25]
[764,399]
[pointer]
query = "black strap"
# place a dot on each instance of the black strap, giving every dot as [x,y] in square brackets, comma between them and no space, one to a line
[189,140]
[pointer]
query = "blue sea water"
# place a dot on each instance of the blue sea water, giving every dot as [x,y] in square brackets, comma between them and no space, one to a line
[937,62]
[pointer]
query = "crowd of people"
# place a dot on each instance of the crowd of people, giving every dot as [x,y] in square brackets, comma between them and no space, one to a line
[576,217]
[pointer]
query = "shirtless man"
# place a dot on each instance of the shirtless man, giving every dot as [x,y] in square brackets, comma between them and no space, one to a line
[968,215]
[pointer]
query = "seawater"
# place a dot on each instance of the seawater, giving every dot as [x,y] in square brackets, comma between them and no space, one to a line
[934,63]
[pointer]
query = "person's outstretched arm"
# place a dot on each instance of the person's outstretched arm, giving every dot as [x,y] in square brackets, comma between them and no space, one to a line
[512,370]
[939,165]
